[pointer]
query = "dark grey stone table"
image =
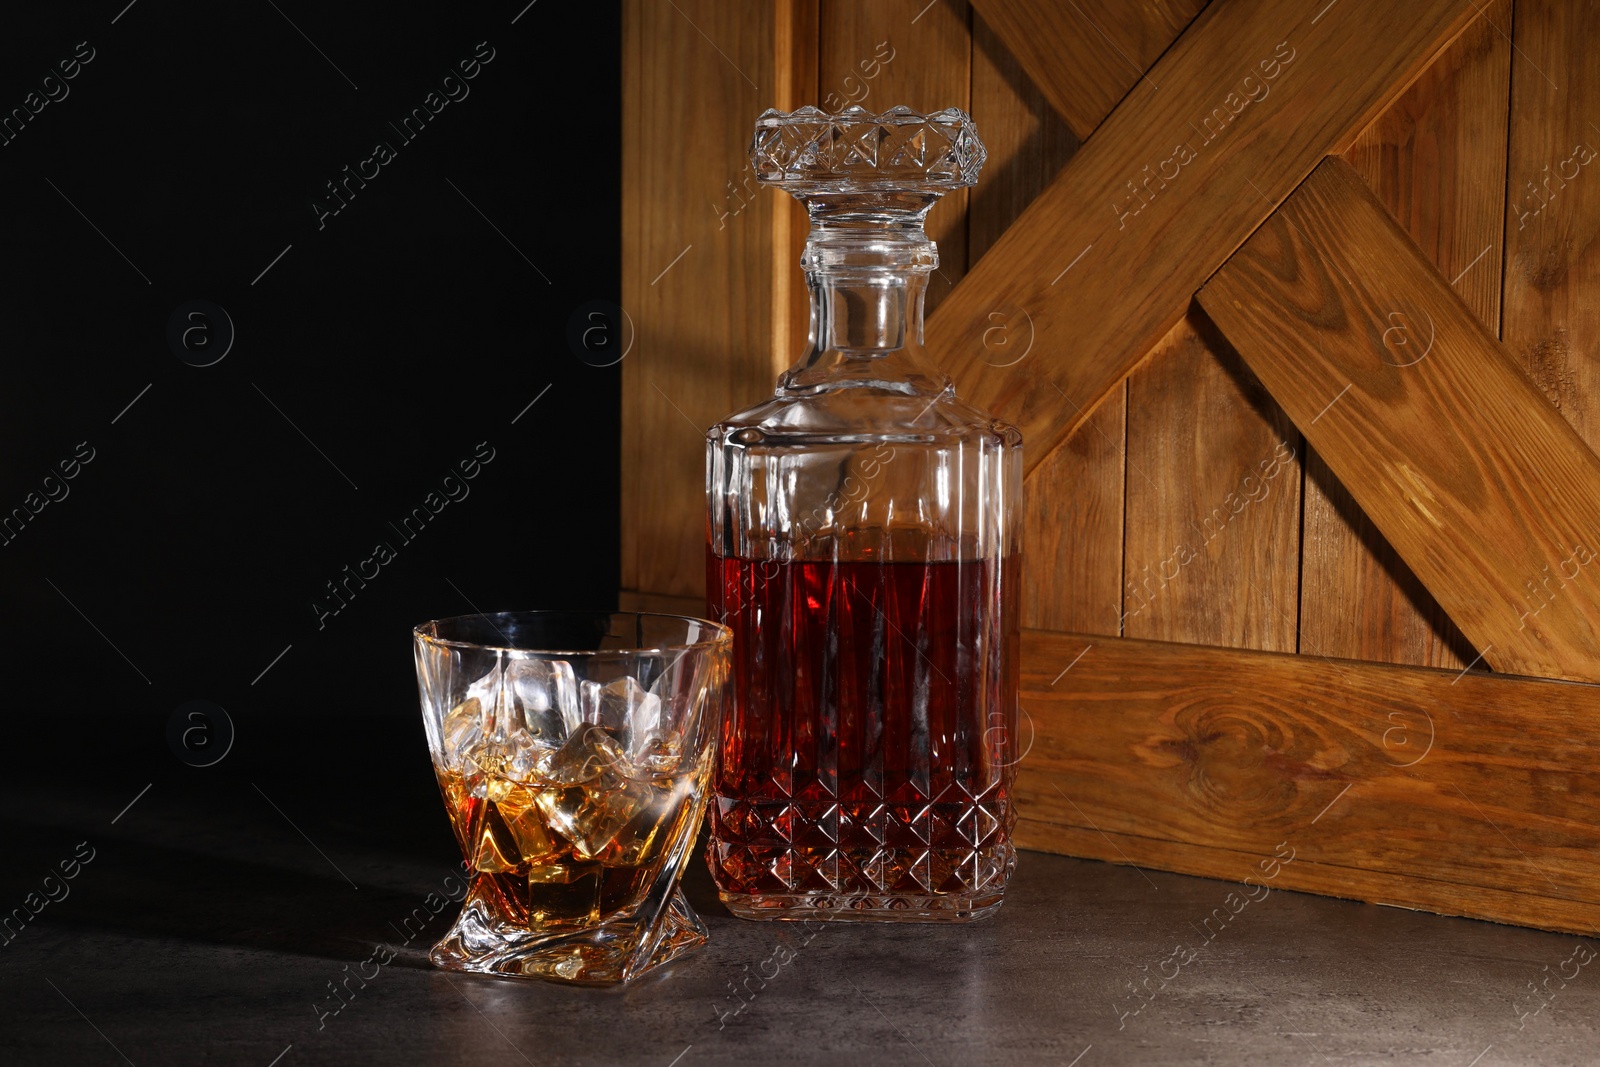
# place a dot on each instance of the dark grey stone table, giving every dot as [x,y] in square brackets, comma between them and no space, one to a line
[220,903]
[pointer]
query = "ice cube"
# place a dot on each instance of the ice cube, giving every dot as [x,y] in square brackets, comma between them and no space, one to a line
[524,822]
[534,839]
[521,756]
[641,837]
[494,701]
[462,733]
[631,712]
[474,761]
[512,719]
[487,687]
[562,894]
[589,701]
[660,755]
[589,753]
[592,816]
[474,729]
[546,693]
[517,758]
[560,873]
[501,789]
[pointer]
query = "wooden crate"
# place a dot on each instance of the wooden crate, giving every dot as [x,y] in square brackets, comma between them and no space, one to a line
[1287,301]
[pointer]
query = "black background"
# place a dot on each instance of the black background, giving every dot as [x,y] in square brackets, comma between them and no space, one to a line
[375,354]
[406,333]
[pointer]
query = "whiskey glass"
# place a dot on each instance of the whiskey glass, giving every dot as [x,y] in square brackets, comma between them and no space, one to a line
[573,751]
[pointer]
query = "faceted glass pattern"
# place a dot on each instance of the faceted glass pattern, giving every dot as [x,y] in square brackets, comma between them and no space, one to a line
[572,751]
[809,147]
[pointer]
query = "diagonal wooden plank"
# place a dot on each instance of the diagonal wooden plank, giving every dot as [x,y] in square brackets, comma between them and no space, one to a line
[1250,98]
[1086,54]
[1479,484]
[1403,785]
[1437,160]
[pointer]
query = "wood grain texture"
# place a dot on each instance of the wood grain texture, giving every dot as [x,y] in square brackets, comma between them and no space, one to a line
[1027,142]
[695,227]
[1403,890]
[1552,270]
[1072,522]
[1072,528]
[1212,544]
[890,52]
[1358,599]
[1086,55]
[1436,160]
[1112,233]
[1403,785]
[1482,488]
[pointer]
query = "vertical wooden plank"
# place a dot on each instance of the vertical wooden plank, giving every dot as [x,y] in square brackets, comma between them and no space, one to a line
[1437,160]
[1552,269]
[1072,526]
[695,227]
[795,36]
[910,52]
[1213,499]
[1028,142]
[1358,599]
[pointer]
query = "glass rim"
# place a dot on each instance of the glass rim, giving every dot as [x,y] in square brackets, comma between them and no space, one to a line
[721,634]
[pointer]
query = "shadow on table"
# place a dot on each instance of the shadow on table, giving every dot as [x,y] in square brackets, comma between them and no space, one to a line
[137,889]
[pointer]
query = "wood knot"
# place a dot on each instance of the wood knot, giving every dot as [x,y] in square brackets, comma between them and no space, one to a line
[1547,270]
[1548,363]
[1235,763]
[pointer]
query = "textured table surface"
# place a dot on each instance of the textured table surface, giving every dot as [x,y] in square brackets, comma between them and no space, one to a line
[220,904]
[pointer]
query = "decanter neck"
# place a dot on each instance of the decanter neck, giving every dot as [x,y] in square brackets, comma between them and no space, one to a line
[867,262]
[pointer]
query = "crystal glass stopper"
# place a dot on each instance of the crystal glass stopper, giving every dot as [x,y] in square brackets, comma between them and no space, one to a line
[810,150]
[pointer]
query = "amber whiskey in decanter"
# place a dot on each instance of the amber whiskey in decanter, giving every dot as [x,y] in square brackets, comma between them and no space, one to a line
[863,545]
